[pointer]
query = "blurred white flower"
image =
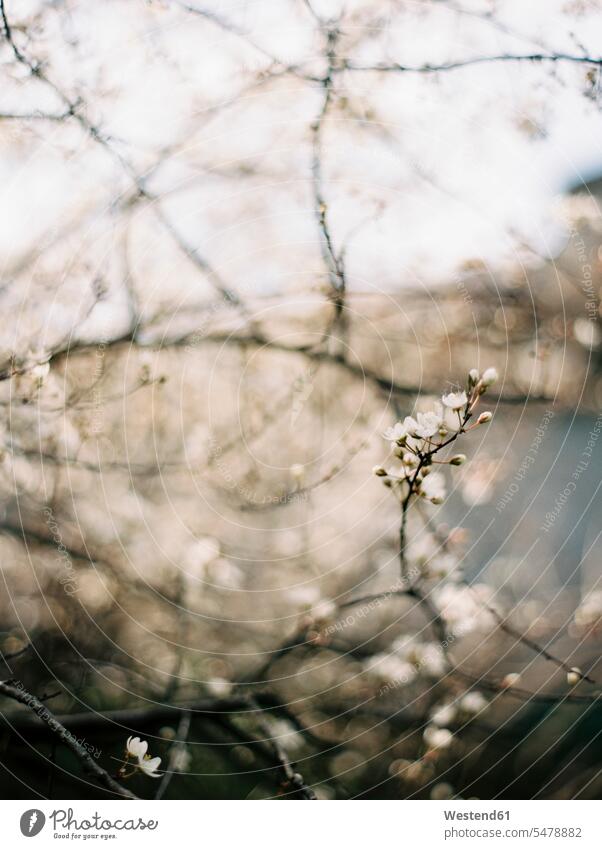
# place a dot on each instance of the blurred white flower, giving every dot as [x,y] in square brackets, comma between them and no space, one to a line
[589,613]
[442,790]
[587,332]
[473,702]
[323,610]
[441,566]
[433,487]
[219,687]
[305,595]
[181,759]
[455,400]
[490,376]
[287,735]
[478,481]
[443,714]
[511,679]
[437,738]
[223,573]
[390,667]
[297,471]
[430,659]
[197,554]
[421,549]
[461,607]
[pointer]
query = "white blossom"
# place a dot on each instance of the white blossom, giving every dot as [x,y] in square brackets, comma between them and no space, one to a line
[473,702]
[149,766]
[427,424]
[490,376]
[433,487]
[431,659]
[442,790]
[441,566]
[437,738]
[574,676]
[391,667]
[462,607]
[219,687]
[181,760]
[589,613]
[297,471]
[511,679]
[455,400]
[136,748]
[444,714]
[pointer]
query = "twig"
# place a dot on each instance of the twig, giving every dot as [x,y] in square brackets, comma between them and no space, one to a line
[176,748]
[90,765]
[292,780]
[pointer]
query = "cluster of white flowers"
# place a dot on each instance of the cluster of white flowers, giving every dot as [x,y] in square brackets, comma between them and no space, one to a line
[469,704]
[136,750]
[425,657]
[417,438]
[391,668]
[407,659]
[463,608]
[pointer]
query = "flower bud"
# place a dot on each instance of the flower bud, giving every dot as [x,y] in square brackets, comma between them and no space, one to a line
[379,472]
[490,376]
[510,680]
[485,417]
[574,676]
[473,377]
[458,460]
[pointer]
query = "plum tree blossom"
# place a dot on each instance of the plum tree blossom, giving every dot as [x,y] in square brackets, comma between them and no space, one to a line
[455,400]
[137,751]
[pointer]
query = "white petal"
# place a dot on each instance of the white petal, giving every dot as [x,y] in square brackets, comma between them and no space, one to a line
[150,766]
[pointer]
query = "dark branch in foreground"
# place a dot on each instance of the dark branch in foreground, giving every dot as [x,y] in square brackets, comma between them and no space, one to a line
[91,767]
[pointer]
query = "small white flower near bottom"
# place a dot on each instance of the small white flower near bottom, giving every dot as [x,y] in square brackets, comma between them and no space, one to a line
[137,750]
